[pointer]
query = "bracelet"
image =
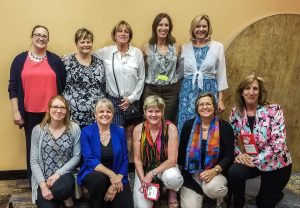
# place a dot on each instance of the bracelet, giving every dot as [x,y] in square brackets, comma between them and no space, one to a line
[154,172]
[217,170]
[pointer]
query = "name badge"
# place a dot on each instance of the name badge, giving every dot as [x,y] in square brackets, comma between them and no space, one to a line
[151,191]
[162,77]
[249,144]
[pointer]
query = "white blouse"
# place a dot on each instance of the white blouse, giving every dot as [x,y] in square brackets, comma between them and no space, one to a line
[129,71]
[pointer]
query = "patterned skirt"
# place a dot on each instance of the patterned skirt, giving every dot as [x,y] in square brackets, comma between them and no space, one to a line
[187,98]
[118,116]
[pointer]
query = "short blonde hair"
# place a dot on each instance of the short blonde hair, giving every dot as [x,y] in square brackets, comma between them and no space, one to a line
[106,102]
[194,24]
[263,94]
[117,26]
[83,33]
[154,101]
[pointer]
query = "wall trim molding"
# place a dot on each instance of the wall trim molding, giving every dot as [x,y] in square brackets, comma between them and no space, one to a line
[13,174]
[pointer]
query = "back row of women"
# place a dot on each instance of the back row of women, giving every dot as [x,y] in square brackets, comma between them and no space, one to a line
[118,73]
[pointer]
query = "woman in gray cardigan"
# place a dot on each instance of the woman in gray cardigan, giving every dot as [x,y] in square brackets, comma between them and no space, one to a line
[55,152]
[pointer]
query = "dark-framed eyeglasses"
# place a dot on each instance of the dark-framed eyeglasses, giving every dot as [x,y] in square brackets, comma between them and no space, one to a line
[38,35]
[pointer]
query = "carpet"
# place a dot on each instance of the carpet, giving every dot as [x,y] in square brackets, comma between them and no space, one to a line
[18,193]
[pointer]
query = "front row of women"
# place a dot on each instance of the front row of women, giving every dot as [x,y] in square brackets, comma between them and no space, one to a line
[206,153]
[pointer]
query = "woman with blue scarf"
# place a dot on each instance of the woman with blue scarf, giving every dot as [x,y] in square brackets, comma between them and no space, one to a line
[205,153]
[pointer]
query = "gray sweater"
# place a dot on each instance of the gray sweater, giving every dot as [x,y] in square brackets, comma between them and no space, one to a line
[36,162]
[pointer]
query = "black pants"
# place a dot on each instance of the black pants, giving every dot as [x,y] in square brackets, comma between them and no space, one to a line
[30,121]
[97,184]
[272,184]
[170,95]
[62,189]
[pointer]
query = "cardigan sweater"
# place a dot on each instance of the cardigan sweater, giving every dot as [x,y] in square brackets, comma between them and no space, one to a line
[226,154]
[36,162]
[213,66]
[15,86]
[91,151]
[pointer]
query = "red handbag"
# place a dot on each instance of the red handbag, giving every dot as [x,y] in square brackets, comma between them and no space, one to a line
[151,191]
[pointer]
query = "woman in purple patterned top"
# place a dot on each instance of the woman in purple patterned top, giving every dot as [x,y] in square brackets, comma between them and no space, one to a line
[261,149]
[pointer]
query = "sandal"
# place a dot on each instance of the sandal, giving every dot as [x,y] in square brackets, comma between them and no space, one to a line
[173,202]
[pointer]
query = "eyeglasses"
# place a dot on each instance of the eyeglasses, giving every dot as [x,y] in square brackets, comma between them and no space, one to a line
[56,107]
[38,35]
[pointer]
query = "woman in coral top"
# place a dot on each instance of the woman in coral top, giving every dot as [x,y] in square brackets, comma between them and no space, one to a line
[35,76]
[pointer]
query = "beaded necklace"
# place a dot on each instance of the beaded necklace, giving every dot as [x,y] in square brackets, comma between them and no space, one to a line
[35,57]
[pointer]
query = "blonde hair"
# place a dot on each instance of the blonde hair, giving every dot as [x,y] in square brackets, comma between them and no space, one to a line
[154,101]
[47,117]
[83,33]
[117,26]
[106,102]
[194,24]
[263,94]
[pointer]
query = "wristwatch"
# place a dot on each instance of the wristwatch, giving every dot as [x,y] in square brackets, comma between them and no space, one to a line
[154,172]
[216,170]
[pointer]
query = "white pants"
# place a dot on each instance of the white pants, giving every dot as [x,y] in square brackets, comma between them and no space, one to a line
[171,178]
[215,189]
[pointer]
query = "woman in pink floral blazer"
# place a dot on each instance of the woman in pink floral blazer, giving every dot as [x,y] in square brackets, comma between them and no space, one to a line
[261,149]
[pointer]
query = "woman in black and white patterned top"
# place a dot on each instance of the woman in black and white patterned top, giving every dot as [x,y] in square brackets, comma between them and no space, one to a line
[55,152]
[85,79]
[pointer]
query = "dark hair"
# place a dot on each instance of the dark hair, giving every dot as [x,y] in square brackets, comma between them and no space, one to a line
[170,39]
[39,26]
[83,33]
[116,27]
[206,94]
[263,94]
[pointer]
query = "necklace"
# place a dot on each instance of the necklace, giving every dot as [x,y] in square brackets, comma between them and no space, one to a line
[105,135]
[38,58]
[204,128]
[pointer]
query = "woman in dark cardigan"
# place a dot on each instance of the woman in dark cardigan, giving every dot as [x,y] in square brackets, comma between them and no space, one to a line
[205,153]
[35,76]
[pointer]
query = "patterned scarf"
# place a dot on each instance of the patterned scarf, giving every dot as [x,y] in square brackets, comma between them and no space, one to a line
[154,153]
[193,151]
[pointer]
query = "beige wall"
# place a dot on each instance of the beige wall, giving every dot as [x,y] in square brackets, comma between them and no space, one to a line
[64,17]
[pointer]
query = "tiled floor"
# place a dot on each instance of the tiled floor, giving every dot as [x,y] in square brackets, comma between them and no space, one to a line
[18,193]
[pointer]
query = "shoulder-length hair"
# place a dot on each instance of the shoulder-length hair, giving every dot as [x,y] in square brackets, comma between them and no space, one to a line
[47,118]
[263,94]
[170,39]
[194,24]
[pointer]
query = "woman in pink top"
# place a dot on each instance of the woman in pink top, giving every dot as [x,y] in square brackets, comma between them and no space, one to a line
[35,76]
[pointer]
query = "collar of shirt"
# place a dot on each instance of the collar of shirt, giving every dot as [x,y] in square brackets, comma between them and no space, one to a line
[130,51]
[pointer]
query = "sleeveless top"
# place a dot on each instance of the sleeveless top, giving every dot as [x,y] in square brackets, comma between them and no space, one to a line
[154,153]
[161,68]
